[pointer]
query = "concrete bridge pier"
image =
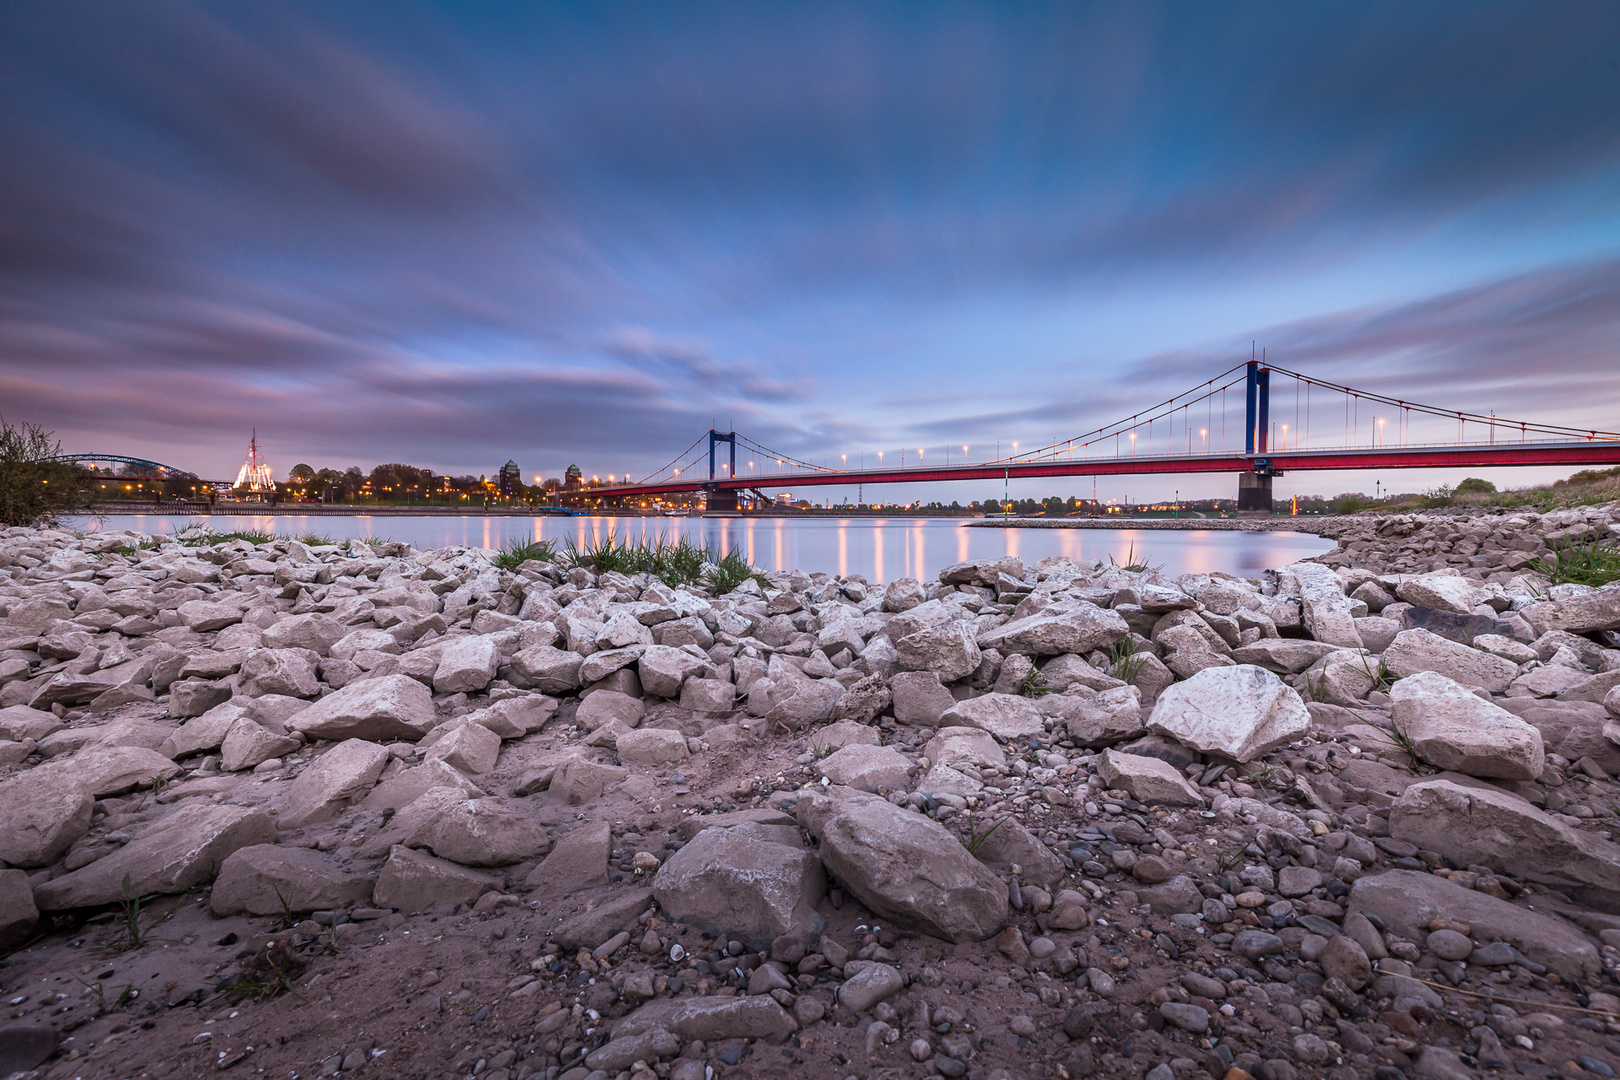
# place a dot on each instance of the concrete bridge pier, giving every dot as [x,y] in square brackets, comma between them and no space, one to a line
[1254,493]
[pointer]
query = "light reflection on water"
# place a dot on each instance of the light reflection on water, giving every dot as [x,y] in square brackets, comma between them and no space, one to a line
[880,549]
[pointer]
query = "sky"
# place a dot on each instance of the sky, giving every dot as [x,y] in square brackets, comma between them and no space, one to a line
[455,234]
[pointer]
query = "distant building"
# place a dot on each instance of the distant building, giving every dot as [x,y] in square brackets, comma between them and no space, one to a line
[784,498]
[511,478]
[573,478]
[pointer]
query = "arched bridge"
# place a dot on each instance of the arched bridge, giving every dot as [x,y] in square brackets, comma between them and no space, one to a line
[154,469]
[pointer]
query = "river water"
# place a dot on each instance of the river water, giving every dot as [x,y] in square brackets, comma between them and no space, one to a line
[879,549]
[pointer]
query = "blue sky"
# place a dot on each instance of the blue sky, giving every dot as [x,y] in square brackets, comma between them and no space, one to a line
[455,234]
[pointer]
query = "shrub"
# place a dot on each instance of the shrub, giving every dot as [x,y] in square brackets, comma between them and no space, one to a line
[1475,486]
[34,491]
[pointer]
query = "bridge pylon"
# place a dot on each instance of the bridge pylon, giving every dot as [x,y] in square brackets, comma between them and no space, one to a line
[1254,486]
[717,499]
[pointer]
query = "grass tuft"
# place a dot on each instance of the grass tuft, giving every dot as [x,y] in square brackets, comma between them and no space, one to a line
[1590,562]
[514,553]
[315,540]
[1124,663]
[675,563]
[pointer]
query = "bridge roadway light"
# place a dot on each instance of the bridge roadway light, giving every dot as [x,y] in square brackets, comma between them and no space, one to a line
[1203,433]
[1380,430]
[1133,444]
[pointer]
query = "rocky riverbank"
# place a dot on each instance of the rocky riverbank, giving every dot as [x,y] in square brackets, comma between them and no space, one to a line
[403,813]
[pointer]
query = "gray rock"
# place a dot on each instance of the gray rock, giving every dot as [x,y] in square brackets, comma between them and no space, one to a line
[580,780]
[905,867]
[751,882]
[1253,944]
[177,853]
[664,670]
[470,747]
[1147,779]
[1445,592]
[482,832]
[342,775]
[44,815]
[247,745]
[1451,728]
[873,984]
[1415,651]
[646,1046]
[1079,630]
[919,698]
[1485,826]
[1005,716]
[466,664]
[391,707]
[866,767]
[578,861]
[269,879]
[947,650]
[111,770]
[413,881]
[604,706]
[18,915]
[651,747]
[1238,712]
[1345,959]
[279,671]
[1284,656]
[1327,612]
[547,669]
[711,1019]
[313,631]
[1407,901]
[708,697]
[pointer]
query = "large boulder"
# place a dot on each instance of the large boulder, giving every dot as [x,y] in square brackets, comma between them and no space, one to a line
[1080,630]
[342,775]
[466,664]
[1006,716]
[111,770]
[1408,901]
[1285,656]
[602,706]
[279,671]
[905,867]
[947,650]
[1451,728]
[470,747]
[269,879]
[578,861]
[546,668]
[866,767]
[202,733]
[43,816]
[391,707]
[482,832]
[414,881]
[1488,827]
[183,850]
[1237,712]
[751,882]
[1147,779]
[651,747]
[312,631]
[18,915]
[1413,651]
[710,1019]
[663,669]
[919,698]
[1581,613]
[1328,614]
[405,788]
[1443,592]
[248,744]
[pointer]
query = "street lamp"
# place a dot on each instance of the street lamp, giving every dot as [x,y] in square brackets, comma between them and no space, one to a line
[1203,434]
[1285,437]
[1380,431]
[1133,444]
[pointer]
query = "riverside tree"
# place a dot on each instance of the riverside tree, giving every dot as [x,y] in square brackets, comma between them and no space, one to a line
[32,490]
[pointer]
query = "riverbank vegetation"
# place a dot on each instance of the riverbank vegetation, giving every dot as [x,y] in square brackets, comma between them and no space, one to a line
[32,491]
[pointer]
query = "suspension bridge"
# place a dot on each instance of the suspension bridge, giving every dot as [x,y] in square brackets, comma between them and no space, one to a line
[1255,420]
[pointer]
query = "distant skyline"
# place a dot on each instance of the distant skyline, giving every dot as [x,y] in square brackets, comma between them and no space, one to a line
[456,234]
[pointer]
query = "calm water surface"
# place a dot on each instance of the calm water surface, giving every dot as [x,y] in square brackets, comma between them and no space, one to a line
[880,549]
